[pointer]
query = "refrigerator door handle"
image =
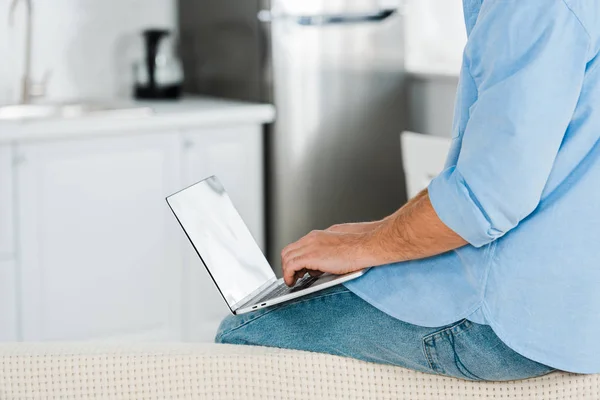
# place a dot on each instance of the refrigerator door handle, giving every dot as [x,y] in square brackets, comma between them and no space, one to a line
[328,19]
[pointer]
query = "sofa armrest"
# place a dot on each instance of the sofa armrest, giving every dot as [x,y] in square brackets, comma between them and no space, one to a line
[210,371]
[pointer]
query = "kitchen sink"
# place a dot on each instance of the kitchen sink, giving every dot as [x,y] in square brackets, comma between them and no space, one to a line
[21,112]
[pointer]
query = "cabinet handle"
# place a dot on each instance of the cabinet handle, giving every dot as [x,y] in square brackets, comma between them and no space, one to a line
[320,20]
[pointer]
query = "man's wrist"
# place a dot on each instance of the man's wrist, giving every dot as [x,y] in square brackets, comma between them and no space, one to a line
[381,247]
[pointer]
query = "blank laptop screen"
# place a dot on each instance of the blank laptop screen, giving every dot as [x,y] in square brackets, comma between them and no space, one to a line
[221,238]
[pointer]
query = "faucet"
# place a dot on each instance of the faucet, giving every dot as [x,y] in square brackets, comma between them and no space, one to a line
[28,89]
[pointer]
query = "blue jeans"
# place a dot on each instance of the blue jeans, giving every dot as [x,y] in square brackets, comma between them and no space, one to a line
[338,322]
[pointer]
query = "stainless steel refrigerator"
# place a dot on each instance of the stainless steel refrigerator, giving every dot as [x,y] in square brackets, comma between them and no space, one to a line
[334,71]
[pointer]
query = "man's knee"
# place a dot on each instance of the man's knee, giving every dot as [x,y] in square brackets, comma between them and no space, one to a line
[227,326]
[249,328]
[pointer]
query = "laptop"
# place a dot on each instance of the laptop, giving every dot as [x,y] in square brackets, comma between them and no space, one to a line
[232,257]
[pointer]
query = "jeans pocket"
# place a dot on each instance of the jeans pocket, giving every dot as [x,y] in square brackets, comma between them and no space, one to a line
[471,351]
[440,351]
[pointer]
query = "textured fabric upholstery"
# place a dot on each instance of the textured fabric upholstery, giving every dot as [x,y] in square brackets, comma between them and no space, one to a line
[207,371]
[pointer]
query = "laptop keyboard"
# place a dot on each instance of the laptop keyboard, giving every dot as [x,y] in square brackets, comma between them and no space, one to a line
[283,289]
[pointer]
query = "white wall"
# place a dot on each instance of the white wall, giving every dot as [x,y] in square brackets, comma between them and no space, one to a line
[435,36]
[87,44]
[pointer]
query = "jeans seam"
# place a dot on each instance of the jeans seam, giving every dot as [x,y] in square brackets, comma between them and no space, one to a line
[465,329]
[284,305]
[465,371]
[221,335]
[451,327]
[428,356]
[460,366]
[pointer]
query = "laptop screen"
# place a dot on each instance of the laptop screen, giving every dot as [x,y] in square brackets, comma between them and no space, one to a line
[221,238]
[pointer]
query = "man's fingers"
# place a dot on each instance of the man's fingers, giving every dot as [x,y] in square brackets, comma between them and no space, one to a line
[288,251]
[295,266]
[291,264]
[293,257]
[293,275]
[289,272]
[299,274]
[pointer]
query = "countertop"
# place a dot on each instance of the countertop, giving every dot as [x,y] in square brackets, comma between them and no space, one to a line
[190,112]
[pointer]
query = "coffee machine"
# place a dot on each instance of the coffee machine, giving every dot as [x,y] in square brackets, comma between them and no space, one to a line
[159,74]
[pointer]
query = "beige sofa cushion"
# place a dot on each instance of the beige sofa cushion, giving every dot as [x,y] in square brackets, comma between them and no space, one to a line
[184,371]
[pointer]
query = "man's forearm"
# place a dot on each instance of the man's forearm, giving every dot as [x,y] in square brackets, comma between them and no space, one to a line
[415,231]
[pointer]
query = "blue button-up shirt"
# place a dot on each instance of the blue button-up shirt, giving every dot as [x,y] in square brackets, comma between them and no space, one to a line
[521,185]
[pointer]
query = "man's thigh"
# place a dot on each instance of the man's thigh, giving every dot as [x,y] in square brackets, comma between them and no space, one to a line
[333,321]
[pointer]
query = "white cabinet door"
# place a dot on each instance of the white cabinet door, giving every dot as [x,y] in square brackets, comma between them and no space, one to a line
[6,204]
[8,302]
[8,276]
[235,155]
[99,248]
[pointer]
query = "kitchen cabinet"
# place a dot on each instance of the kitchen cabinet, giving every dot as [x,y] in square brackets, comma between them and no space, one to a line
[99,254]
[89,249]
[8,301]
[235,155]
[8,275]
[6,203]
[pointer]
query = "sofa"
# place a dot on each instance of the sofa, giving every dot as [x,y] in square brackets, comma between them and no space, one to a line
[210,371]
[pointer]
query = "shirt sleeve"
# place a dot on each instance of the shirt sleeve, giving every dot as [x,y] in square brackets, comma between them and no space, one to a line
[528,62]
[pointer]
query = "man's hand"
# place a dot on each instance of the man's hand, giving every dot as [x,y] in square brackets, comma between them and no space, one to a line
[326,251]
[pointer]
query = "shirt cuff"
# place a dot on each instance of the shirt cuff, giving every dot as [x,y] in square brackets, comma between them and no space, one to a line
[457,208]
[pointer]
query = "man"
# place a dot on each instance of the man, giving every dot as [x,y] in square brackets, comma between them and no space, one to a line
[493,273]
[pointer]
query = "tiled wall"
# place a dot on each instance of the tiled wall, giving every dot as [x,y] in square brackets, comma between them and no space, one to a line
[88,45]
